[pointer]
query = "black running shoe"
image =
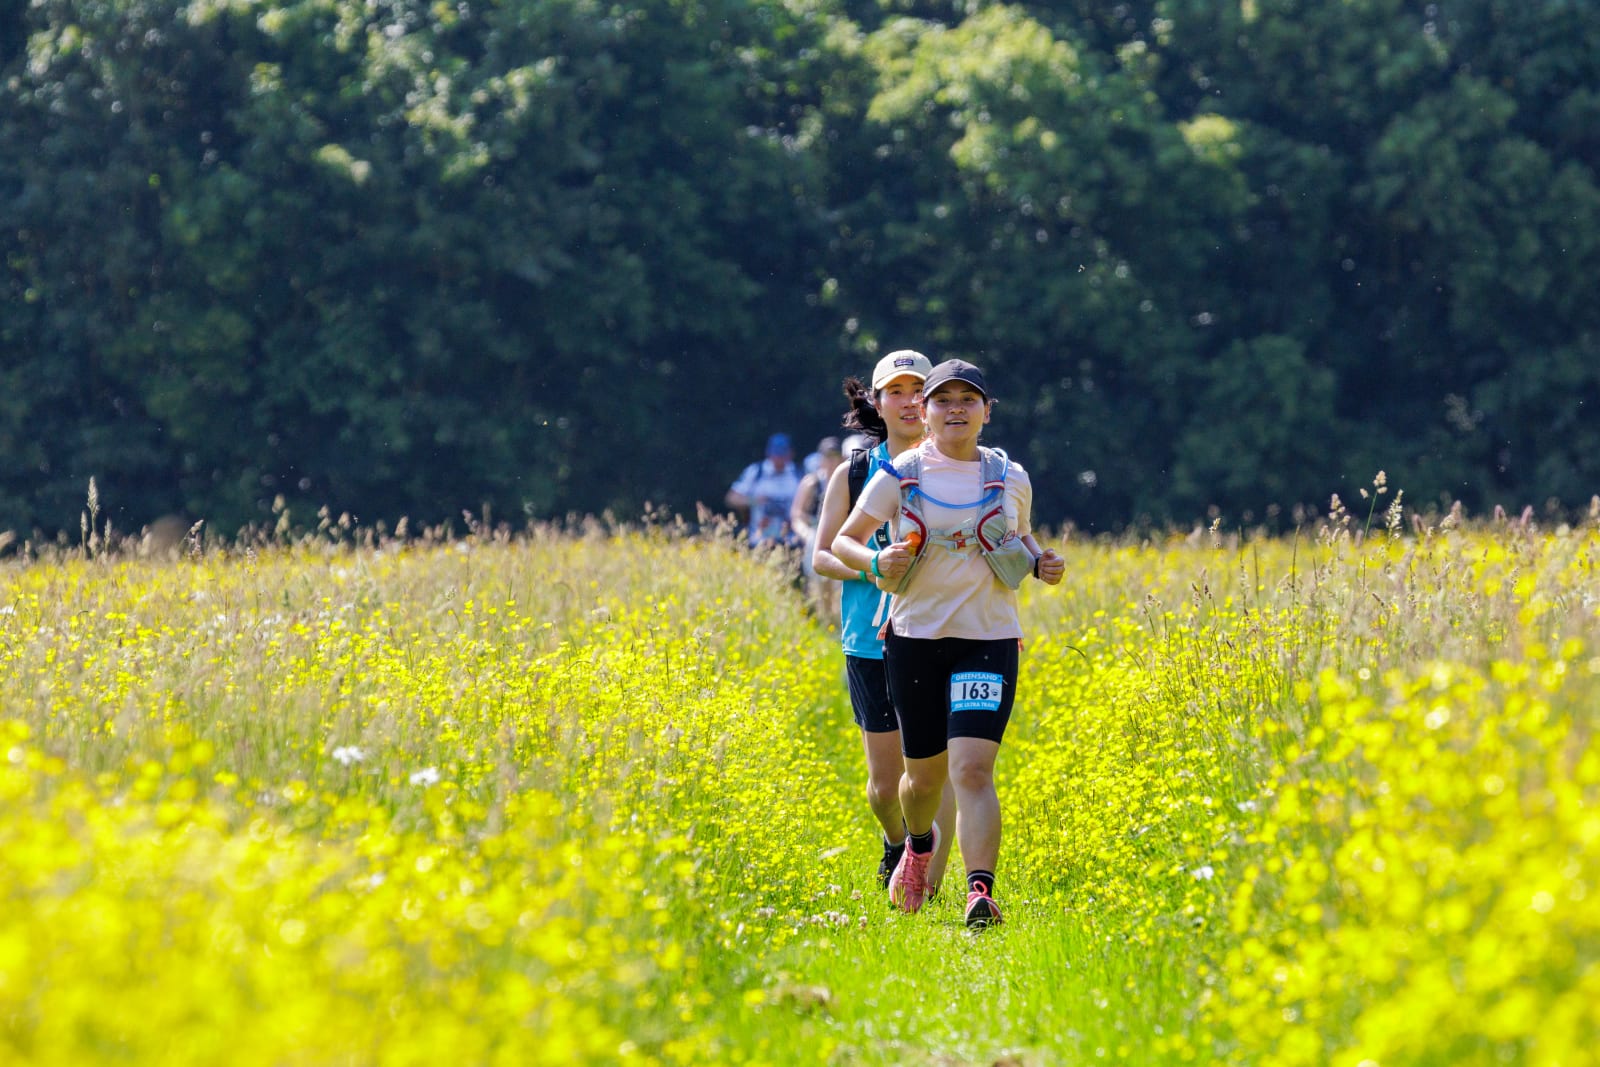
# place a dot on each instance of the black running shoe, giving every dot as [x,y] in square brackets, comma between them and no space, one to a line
[891,860]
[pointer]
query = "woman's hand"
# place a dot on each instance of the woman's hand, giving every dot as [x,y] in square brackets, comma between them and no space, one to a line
[895,560]
[1050,567]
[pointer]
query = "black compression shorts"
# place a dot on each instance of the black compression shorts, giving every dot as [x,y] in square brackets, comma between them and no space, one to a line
[948,687]
[869,695]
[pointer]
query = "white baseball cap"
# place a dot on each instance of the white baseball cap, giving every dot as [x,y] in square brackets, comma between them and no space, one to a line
[898,362]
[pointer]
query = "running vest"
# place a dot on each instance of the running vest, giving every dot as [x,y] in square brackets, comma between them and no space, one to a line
[862,606]
[999,545]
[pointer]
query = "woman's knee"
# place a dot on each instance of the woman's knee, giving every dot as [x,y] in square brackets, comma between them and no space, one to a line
[882,787]
[972,776]
[925,781]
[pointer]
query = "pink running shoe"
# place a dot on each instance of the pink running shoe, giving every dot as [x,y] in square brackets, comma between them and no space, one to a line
[908,885]
[981,908]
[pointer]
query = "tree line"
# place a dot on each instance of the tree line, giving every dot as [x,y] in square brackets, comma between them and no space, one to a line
[547,257]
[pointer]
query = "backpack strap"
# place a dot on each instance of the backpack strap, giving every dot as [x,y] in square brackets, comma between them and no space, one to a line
[860,470]
[909,473]
[860,467]
[992,525]
[996,465]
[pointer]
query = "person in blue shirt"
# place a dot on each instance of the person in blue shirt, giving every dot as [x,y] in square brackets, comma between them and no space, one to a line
[889,415]
[766,490]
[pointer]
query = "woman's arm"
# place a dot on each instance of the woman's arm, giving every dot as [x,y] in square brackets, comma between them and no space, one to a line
[835,507]
[850,545]
[1047,566]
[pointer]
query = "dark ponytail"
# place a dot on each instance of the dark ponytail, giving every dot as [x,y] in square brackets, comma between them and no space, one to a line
[863,415]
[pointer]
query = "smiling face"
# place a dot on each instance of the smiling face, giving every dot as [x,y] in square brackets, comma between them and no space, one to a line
[900,404]
[956,413]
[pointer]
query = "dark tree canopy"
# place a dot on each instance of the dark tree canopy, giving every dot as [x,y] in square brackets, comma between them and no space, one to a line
[555,256]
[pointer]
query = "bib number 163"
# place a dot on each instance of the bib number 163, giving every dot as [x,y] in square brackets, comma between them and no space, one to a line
[976,691]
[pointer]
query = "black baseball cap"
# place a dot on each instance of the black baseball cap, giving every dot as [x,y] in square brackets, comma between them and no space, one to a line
[955,370]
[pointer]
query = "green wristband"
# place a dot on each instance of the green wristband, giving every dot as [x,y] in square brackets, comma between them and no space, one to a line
[875,569]
[865,577]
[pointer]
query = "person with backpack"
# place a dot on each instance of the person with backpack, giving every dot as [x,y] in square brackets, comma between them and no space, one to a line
[888,421]
[963,543]
[765,490]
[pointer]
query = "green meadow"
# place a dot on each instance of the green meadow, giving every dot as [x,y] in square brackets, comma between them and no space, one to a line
[594,796]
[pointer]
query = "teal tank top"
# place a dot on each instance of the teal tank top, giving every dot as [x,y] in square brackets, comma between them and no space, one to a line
[863,607]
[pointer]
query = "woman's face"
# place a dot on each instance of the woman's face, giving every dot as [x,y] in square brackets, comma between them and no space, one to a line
[900,404]
[956,413]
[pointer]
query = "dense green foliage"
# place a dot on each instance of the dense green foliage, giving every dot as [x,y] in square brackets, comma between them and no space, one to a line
[564,255]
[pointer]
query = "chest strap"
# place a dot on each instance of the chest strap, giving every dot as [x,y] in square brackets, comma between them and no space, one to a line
[961,541]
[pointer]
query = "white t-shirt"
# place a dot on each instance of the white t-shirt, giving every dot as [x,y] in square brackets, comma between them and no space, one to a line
[953,592]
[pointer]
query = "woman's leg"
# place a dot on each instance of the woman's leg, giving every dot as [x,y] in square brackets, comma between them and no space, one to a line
[918,686]
[946,821]
[921,705]
[983,689]
[884,767]
[922,790]
[978,806]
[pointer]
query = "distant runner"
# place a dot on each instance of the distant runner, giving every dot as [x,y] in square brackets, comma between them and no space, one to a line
[823,594]
[765,490]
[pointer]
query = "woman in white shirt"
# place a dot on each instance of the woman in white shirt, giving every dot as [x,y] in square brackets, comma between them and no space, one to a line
[962,520]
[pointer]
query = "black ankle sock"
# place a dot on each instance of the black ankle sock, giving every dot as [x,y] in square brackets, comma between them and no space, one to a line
[983,878]
[892,848]
[921,843]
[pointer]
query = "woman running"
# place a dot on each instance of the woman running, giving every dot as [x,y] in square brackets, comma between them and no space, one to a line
[890,417]
[963,543]
[822,595]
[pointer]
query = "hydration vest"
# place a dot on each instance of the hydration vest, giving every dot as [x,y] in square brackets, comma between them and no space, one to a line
[1001,548]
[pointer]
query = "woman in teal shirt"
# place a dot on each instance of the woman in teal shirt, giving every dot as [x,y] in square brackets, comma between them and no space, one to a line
[890,415]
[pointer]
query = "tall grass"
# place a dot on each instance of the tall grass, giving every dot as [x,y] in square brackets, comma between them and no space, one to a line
[595,796]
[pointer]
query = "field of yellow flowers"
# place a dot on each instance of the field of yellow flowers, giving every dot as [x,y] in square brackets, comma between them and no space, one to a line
[595,796]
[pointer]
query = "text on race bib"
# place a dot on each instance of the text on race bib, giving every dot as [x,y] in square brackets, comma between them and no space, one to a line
[976,691]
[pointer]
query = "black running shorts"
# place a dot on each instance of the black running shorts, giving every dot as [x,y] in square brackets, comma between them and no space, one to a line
[948,687]
[869,695]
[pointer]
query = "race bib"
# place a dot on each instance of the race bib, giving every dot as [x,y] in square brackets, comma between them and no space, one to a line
[976,691]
